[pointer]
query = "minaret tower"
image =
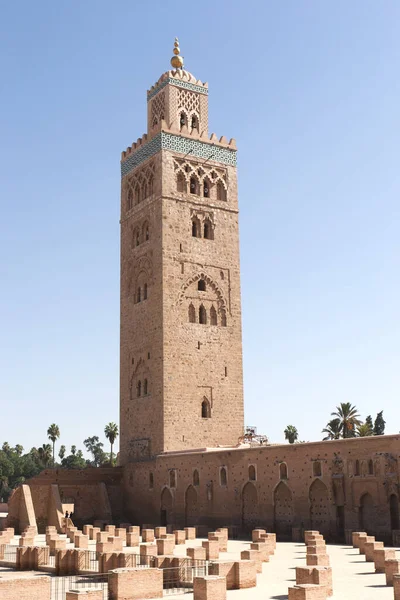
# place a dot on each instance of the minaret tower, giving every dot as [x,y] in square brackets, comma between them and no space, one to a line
[181,380]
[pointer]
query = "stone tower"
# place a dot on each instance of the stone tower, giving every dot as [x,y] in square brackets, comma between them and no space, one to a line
[181,382]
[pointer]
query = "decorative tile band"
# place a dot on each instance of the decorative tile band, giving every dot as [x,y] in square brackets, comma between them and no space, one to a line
[177,143]
[182,84]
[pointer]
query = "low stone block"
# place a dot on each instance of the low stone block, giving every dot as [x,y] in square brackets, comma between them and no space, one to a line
[245,574]
[102,536]
[308,533]
[264,549]
[25,541]
[134,529]
[211,587]
[317,560]
[198,553]
[93,594]
[355,536]
[190,533]
[93,533]
[381,555]
[180,536]
[135,584]
[57,544]
[120,532]
[316,575]
[110,529]
[25,588]
[311,549]
[160,531]
[392,567]
[165,546]
[396,587]
[132,539]
[256,534]
[222,540]
[148,535]
[364,539]
[307,591]
[224,568]
[254,555]
[103,547]
[87,529]
[369,548]
[81,541]
[148,549]
[212,549]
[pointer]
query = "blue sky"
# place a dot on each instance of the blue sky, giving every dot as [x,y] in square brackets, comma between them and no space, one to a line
[310,90]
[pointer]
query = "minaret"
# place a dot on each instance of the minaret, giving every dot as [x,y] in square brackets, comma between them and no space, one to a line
[181,380]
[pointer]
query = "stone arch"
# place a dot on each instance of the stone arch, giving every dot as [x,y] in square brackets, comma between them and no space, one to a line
[221,190]
[191,510]
[166,507]
[210,283]
[249,507]
[283,510]
[366,512]
[394,512]
[205,409]
[319,507]
[181,183]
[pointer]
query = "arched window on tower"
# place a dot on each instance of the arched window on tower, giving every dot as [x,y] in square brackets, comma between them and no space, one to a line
[139,294]
[223,318]
[137,194]
[150,186]
[370,467]
[252,473]
[357,469]
[145,291]
[317,471]
[145,232]
[202,315]
[172,478]
[139,389]
[182,119]
[208,231]
[213,316]
[223,478]
[195,122]
[221,191]
[144,191]
[192,313]
[194,186]
[130,199]
[196,478]
[145,388]
[206,188]
[195,227]
[283,471]
[181,183]
[205,409]
[201,285]
[151,480]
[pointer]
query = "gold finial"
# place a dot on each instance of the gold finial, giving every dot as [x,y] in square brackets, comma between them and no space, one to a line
[177,60]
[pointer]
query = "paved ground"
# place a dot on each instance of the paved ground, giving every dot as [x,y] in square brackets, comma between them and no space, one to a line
[353,578]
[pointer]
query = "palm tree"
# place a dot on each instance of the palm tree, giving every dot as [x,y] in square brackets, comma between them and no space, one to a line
[111,431]
[53,434]
[333,429]
[291,434]
[364,430]
[45,454]
[73,450]
[348,416]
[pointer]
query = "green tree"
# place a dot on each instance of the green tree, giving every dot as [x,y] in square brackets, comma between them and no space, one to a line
[62,451]
[369,421]
[291,434]
[364,430]
[379,425]
[53,433]
[95,447]
[74,461]
[111,431]
[45,454]
[73,450]
[19,449]
[333,430]
[349,418]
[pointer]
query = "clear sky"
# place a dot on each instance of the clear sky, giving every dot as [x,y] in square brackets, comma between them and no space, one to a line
[310,90]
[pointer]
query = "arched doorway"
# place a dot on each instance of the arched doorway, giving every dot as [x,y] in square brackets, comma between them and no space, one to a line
[191,512]
[283,511]
[366,514]
[394,512]
[249,507]
[166,507]
[319,507]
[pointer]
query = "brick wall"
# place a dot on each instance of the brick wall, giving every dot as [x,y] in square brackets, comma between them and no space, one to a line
[25,588]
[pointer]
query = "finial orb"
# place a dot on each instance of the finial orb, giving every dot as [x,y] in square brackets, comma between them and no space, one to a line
[177,50]
[177,62]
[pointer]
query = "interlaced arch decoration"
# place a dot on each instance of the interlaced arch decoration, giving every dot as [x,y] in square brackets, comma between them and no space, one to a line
[140,185]
[189,101]
[209,283]
[158,108]
[214,178]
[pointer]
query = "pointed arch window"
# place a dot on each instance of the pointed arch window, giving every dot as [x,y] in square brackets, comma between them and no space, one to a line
[151,480]
[195,227]
[206,188]
[130,199]
[317,471]
[182,119]
[213,316]
[145,387]
[139,388]
[201,285]
[137,194]
[370,467]
[283,471]
[221,191]
[145,291]
[181,183]
[150,186]
[196,478]
[192,313]
[223,477]
[223,318]
[208,231]
[144,191]
[252,473]
[195,122]
[172,478]
[357,469]
[194,186]
[205,409]
[139,295]
[202,315]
